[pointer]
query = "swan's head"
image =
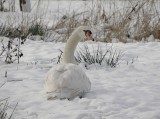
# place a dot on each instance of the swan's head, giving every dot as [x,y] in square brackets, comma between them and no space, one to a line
[85,33]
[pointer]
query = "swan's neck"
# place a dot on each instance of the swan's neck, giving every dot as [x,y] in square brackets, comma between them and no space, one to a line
[68,54]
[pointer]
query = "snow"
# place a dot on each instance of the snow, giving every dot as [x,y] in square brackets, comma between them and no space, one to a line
[129,91]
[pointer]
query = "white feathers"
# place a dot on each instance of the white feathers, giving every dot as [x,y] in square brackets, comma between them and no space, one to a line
[68,80]
[77,35]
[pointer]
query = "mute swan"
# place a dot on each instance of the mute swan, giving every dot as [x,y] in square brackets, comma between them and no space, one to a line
[67,80]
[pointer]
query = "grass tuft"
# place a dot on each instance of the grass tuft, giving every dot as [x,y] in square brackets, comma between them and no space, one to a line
[108,57]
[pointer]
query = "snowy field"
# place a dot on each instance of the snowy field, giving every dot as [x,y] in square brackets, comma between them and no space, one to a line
[129,91]
[125,92]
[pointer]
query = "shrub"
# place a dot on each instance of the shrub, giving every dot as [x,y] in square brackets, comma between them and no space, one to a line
[13,32]
[108,57]
[37,29]
[10,50]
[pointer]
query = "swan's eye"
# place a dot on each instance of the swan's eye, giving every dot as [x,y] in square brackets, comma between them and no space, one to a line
[87,32]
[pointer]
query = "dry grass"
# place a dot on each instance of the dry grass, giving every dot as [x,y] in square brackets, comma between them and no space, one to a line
[138,20]
[135,20]
[5,109]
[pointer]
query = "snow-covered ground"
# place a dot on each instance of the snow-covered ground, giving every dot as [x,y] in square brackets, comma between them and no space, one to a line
[125,92]
[129,91]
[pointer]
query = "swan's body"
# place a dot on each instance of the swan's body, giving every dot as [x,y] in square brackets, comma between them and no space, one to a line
[68,80]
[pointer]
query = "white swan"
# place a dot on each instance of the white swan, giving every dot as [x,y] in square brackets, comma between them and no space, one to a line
[67,80]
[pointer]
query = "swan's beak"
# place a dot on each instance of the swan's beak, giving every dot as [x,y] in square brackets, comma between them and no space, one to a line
[88,35]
